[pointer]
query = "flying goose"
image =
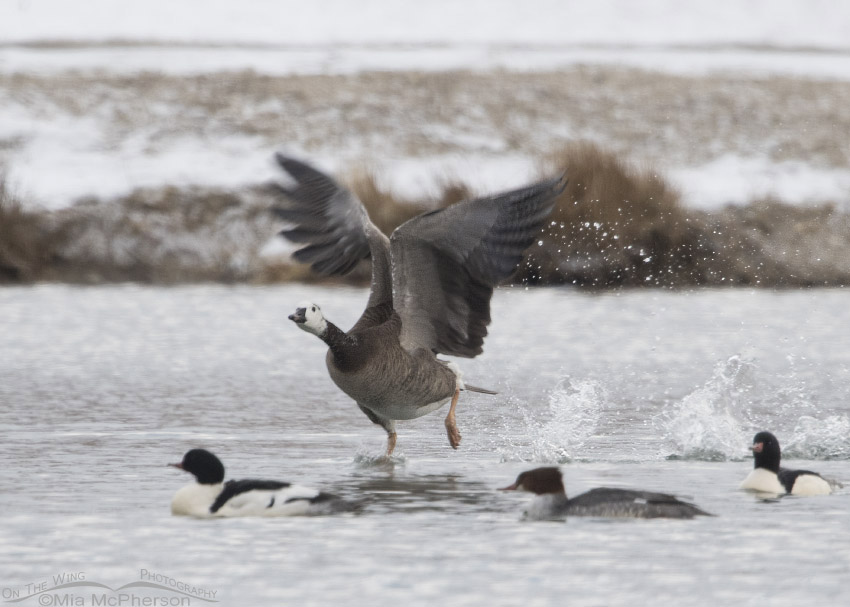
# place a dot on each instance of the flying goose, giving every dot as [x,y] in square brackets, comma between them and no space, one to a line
[211,497]
[432,281]
[768,477]
[550,501]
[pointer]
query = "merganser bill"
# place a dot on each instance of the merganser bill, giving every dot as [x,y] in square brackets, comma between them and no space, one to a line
[551,502]
[770,478]
[211,497]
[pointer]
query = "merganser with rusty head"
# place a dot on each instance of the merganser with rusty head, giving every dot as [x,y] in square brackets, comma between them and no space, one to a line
[551,502]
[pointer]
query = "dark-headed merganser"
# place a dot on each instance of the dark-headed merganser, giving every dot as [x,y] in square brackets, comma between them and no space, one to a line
[210,496]
[768,477]
[551,500]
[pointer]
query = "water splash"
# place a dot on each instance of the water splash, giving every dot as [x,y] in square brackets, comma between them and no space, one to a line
[717,421]
[574,412]
[814,438]
[366,459]
[712,423]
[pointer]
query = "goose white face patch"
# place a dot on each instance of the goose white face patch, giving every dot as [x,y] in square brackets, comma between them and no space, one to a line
[308,316]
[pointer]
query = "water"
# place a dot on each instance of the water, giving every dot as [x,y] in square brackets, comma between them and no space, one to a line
[101,387]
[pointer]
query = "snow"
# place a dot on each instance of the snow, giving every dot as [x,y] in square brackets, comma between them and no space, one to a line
[783,23]
[277,61]
[410,177]
[733,179]
[754,38]
[337,36]
[240,162]
[77,173]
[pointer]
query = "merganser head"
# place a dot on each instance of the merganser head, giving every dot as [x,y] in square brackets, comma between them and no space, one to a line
[766,452]
[308,316]
[539,481]
[206,467]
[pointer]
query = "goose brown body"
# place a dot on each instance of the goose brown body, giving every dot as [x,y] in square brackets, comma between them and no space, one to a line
[432,281]
[358,362]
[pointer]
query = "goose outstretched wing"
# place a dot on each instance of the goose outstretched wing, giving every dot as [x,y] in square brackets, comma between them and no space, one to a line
[446,263]
[335,227]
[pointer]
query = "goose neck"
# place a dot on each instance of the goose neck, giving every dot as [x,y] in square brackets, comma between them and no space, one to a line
[336,338]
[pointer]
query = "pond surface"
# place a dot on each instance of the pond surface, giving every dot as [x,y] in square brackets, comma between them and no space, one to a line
[101,387]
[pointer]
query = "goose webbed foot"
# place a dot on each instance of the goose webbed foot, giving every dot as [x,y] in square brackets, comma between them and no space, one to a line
[451,423]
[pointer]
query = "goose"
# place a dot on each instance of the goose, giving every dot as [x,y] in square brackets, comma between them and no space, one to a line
[211,497]
[432,281]
[551,503]
[768,477]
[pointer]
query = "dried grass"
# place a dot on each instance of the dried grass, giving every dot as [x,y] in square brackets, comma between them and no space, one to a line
[616,225]
[28,241]
[665,117]
[386,210]
[770,243]
[165,236]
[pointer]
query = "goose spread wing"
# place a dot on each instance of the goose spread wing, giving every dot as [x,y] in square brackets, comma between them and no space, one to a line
[335,227]
[446,263]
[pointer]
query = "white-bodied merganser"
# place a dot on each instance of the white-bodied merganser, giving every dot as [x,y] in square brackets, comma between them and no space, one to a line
[210,496]
[551,501]
[768,477]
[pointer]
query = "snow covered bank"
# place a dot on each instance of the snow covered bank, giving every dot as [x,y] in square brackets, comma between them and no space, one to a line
[730,99]
[615,225]
[720,139]
[105,175]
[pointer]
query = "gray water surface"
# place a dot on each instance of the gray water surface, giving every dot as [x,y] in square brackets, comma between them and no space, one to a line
[101,387]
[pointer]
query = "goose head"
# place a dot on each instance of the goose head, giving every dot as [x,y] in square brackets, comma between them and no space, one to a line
[308,316]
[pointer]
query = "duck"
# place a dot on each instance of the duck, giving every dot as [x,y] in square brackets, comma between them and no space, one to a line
[769,477]
[211,497]
[551,502]
[431,285]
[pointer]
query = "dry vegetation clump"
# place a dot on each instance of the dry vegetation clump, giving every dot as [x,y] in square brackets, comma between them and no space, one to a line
[770,243]
[174,235]
[386,210]
[164,236]
[687,119]
[615,225]
[28,240]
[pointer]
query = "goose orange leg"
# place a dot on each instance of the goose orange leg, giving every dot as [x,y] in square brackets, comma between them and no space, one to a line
[451,423]
[391,437]
[386,424]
